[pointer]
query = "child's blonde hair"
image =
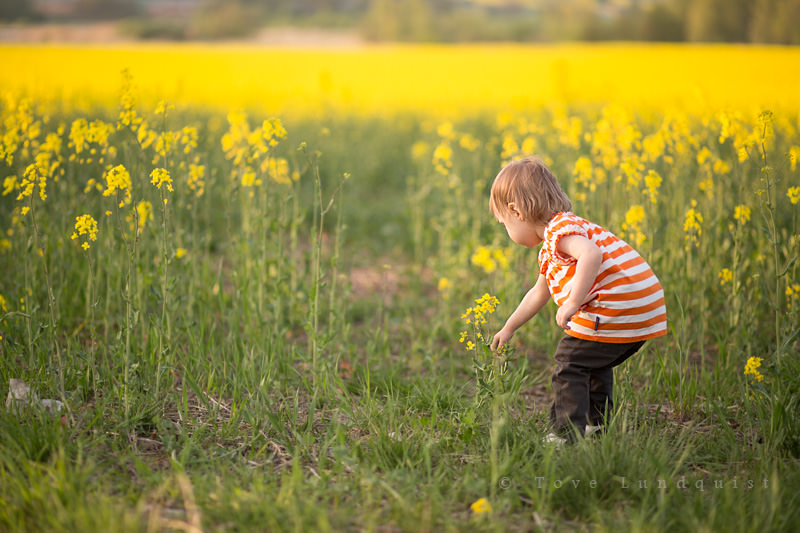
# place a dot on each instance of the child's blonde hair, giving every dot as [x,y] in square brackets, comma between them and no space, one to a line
[532,188]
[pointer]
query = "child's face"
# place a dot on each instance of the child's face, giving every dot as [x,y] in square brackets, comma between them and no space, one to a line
[521,231]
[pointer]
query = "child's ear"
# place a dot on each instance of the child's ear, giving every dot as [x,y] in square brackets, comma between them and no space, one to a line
[514,211]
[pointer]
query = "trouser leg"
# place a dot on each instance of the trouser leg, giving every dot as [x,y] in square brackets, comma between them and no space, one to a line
[583,382]
[601,395]
[571,398]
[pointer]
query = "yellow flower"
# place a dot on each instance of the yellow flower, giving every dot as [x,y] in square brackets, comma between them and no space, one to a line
[703,155]
[445,130]
[9,184]
[794,194]
[180,252]
[652,181]
[794,155]
[793,290]
[144,210]
[442,158]
[634,215]
[481,506]
[742,214]
[85,225]
[3,304]
[751,368]
[159,177]
[482,257]
[725,276]
[196,179]
[470,346]
[444,286]
[469,143]
[118,180]
[692,224]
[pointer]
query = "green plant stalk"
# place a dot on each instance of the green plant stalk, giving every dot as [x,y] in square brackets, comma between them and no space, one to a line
[773,235]
[90,305]
[51,301]
[165,337]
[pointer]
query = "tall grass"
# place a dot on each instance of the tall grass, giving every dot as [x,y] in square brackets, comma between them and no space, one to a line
[270,347]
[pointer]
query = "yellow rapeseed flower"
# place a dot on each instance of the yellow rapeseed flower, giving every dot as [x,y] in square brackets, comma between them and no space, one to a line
[85,225]
[444,287]
[159,177]
[794,155]
[144,211]
[196,180]
[693,224]
[794,194]
[742,214]
[751,368]
[442,158]
[793,291]
[481,506]
[180,253]
[652,181]
[118,181]
[725,276]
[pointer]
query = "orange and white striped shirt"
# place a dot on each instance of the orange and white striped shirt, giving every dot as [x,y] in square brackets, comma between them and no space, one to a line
[626,302]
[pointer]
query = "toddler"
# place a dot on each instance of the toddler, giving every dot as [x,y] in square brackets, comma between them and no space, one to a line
[609,300]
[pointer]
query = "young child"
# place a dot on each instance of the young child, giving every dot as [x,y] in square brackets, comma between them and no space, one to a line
[609,300]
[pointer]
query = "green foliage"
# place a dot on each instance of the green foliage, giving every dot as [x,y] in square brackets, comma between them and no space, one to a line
[298,367]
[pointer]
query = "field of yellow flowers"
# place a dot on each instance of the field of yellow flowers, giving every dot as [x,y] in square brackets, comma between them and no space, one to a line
[240,275]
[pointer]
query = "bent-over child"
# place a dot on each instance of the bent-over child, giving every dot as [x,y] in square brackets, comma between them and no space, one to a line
[609,300]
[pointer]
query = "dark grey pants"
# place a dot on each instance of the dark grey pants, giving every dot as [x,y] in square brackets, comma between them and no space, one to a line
[583,383]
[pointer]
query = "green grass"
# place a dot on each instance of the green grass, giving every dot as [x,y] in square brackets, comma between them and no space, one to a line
[299,369]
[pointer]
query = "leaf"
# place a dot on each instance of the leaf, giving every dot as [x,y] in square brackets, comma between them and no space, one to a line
[791,262]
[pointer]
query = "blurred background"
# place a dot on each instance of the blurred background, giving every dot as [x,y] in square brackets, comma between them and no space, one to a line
[354,21]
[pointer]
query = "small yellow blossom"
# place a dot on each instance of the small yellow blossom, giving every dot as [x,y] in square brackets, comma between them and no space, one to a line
[144,211]
[794,194]
[469,143]
[159,177]
[3,304]
[793,291]
[693,224]
[482,257]
[725,276]
[741,213]
[751,368]
[481,506]
[118,180]
[470,346]
[85,225]
[444,287]
[442,158]
[652,181]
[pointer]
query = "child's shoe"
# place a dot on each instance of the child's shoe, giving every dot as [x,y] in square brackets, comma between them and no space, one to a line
[591,430]
[555,440]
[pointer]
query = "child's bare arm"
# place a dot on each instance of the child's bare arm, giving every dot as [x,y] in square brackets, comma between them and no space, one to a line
[588,257]
[531,303]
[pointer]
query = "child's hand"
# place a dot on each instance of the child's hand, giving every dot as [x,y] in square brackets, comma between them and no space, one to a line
[565,313]
[501,338]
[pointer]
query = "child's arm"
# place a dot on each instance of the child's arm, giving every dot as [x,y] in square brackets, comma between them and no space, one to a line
[531,303]
[588,257]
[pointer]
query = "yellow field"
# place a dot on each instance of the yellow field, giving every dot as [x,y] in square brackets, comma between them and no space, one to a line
[433,79]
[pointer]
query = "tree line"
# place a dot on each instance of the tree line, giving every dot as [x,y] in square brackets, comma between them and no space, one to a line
[739,21]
